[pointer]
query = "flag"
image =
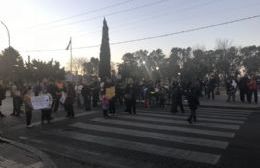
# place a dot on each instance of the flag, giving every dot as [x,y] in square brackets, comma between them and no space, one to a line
[67,48]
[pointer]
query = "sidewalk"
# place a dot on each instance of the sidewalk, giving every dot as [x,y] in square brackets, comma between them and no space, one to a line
[16,155]
[220,102]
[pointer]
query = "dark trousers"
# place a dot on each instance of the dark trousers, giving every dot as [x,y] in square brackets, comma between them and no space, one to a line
[211,92]
[46,115]
[105,113]
[192,115]
[28,114]
[162,103]
[255,96]
[242,95]
[95,100]
[17,103]
[87,103]
[70,110]
[112,106]
[56,102]
[131,106]
[175,106]
[249,96]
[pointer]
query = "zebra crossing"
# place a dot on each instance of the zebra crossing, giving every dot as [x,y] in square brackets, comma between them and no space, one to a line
[155,133]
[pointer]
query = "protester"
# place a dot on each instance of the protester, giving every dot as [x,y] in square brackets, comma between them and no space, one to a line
[59,87]
[130,98]
[250,87]
[211,87]
[162,96]
[243,89]
[86,94]
[17,100]
[105,105]
[46,113]
[78,89]
[176,98]
[231,87]
[69,101]
[95,92]
[28,106]
[254,89]
[192,95]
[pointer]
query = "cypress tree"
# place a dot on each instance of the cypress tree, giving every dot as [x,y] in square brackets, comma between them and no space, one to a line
[104,64]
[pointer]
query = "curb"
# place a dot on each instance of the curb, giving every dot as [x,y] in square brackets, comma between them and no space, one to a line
[47,162]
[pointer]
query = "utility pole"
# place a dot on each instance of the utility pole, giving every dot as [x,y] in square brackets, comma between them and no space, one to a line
[70,54]
[8,33]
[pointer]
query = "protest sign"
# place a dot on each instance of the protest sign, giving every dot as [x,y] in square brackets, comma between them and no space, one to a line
[41,102]
[110,92]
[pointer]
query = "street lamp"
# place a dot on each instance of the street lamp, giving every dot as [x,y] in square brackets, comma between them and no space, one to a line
[8,33]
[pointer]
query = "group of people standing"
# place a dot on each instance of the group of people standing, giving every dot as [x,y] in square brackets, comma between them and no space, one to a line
[110,93]
[247,86]
[22,97]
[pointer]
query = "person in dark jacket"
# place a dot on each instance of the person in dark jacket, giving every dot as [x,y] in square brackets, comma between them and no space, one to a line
[211,87]
[70,96]
[86,93]
[130,97]
[192,95]
[243,88]
[176,98]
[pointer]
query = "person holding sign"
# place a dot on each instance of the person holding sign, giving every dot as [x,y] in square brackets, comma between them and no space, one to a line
[46,112]
[110,94]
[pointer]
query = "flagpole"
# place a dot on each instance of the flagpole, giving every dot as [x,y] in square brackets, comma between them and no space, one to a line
[70,54]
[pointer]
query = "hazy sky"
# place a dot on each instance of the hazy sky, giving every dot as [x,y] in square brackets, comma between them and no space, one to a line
[48,24]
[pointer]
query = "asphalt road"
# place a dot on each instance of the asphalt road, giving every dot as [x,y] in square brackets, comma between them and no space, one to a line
[222,138]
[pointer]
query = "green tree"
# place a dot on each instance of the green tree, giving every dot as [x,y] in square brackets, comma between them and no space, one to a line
[37,70]
[251,58]
[11,65]
[104,65]
[91,67]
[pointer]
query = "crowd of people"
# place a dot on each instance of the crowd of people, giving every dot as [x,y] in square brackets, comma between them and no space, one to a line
[110,94]
[247,85]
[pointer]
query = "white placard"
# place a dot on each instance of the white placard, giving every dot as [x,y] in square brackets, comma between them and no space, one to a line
[41,102]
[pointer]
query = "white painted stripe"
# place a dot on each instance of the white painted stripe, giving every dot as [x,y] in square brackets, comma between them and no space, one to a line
[167,128]
[198,114]
[182,122]
[221,114]
[143,147]
[229,111]
[206,112]
[159,136]
[224,117]
[212,110]
[185,117]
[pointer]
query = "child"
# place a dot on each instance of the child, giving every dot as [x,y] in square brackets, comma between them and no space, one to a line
[105,106]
